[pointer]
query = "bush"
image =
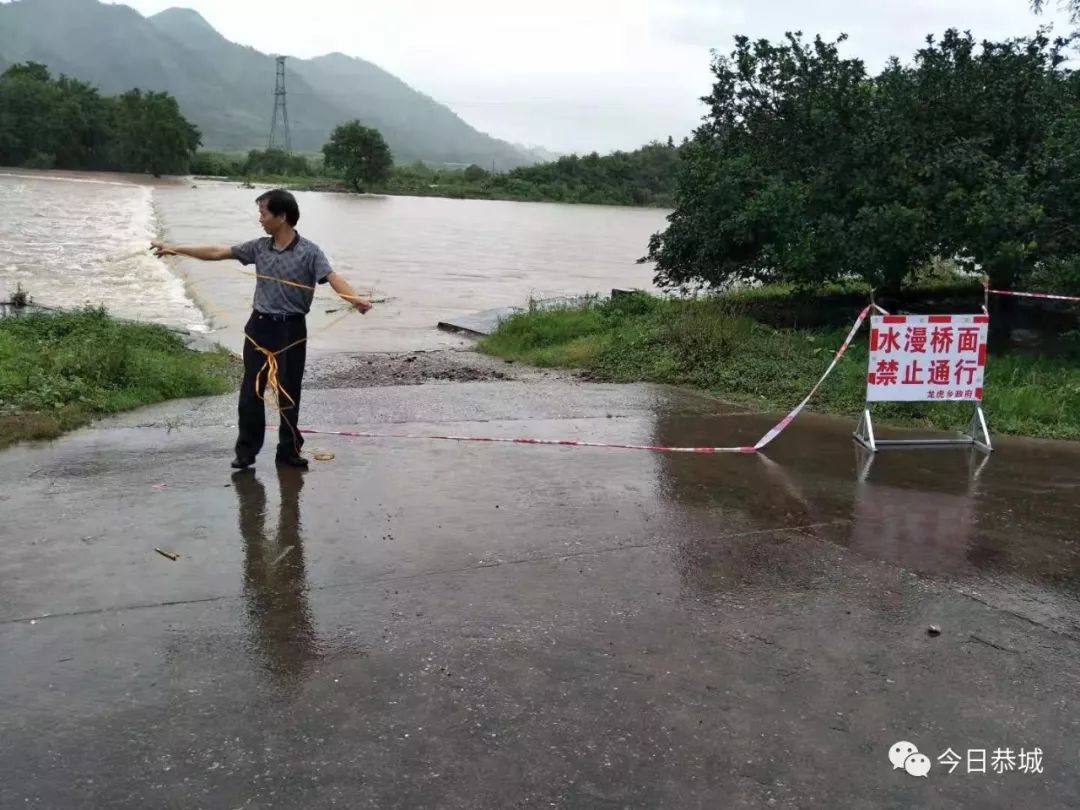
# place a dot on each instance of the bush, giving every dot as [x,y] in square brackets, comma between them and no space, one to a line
[20,298]
[704,333]
[1061,278]
[41,161]
[215,164]
[474,174]
[276,163]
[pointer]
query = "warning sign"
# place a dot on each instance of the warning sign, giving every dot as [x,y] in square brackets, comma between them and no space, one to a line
[923,358]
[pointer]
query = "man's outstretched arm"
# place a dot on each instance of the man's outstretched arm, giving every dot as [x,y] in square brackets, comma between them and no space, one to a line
[208,253]
[345,290]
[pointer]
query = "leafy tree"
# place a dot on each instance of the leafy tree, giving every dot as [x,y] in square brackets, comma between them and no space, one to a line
[474,174]
[808,170]
[65,123]
[32,71]
[156,138]
[1073,7]
[360,153]
[770,183]
[996,125]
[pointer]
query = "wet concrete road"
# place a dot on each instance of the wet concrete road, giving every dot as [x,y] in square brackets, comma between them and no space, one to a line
[428,624]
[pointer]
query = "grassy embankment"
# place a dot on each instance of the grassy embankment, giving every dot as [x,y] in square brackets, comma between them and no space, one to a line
[60,371]
[767,347]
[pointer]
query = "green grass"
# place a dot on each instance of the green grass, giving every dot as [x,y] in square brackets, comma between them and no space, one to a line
[60,371]
[722,346]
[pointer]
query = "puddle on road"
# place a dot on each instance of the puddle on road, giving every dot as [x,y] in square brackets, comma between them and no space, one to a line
[951,512]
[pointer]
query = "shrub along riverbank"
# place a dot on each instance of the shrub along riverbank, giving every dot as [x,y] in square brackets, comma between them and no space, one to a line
[643,177]
[60,371]
[766,348]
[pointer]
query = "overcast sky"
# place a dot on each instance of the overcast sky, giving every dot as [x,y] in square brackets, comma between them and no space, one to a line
[581,75]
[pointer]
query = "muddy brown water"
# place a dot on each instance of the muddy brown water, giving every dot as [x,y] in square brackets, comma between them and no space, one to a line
[74,239]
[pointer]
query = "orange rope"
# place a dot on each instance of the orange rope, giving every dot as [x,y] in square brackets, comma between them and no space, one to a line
[342,296]
[270,369]
[270,366]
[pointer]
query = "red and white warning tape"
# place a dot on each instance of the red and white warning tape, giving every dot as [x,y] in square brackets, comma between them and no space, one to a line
[787,420]
[653,448]
[1035,295]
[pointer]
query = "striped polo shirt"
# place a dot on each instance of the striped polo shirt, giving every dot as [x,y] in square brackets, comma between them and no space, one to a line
[302,262]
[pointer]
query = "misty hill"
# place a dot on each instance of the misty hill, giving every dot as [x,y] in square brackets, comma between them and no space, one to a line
[226,89]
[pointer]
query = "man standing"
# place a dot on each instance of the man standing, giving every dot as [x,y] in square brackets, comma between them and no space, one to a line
[288,268]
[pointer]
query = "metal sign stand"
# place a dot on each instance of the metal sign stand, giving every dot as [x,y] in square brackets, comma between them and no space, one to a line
[864,461]
[976,435]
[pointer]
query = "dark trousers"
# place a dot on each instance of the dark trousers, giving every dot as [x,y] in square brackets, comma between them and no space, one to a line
[274,333]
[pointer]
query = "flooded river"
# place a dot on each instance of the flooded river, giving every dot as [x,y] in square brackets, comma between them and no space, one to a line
[75,240]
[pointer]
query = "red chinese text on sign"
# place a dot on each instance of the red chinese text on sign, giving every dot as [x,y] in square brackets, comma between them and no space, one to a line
[915,342]
[921,358]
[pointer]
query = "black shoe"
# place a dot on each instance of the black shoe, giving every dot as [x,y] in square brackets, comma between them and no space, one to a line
[293,460]
[242,462]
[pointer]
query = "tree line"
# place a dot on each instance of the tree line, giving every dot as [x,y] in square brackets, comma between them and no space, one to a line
[359,157]
[807,169]
[645,176]
[64,123]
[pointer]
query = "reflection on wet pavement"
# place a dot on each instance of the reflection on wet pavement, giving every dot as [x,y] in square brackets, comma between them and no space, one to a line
[436,624]
[275,584]
[950,512]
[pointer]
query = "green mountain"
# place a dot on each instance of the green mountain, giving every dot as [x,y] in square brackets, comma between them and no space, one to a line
[227,89]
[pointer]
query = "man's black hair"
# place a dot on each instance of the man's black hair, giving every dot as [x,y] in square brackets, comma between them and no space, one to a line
[278,202]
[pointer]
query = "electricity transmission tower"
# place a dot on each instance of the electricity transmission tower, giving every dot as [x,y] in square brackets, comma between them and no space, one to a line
[280,138]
